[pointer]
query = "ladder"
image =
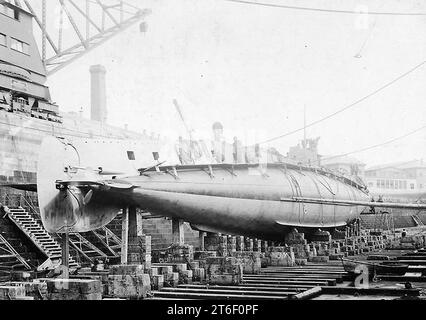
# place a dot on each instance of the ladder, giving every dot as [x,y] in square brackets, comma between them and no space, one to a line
[109,240]
[38,235]
[7,252]
[87,249]
[417,220]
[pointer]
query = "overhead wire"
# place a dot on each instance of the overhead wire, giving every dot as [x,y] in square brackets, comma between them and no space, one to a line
[376,145]
[327,10]
[341,110]
[359,100]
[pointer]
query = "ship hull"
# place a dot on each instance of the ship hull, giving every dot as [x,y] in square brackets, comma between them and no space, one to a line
[21,137]
[238,199]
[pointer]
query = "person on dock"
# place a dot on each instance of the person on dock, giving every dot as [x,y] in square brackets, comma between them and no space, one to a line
[4,211]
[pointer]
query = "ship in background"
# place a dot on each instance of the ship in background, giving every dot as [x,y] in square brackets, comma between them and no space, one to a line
[27,111]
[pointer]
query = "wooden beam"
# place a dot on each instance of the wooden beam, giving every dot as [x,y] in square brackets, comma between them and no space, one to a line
[371,291]
[201,238]
[124,235]
[308,294]
[65,246]
[208,296]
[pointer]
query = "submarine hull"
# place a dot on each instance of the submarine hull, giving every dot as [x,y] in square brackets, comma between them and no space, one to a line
[237,199]
[247,200]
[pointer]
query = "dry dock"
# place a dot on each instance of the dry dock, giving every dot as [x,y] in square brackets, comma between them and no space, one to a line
[360,264]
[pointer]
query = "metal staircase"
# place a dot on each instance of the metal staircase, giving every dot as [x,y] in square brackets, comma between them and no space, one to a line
[87,249]
[38,235]
[109,240]
[417,220]
[7,252]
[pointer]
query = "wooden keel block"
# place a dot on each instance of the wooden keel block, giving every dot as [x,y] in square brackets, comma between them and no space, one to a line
[134,269]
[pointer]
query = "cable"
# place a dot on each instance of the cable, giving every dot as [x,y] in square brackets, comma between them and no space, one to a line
[377,145]
[388,84]
[327,10]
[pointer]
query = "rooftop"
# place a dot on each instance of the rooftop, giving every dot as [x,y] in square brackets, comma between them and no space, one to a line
[399,165]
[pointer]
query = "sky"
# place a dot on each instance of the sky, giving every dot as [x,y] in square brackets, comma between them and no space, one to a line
[255,69]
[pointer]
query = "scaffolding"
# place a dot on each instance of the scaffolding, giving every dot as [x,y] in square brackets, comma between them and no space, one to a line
[81,26]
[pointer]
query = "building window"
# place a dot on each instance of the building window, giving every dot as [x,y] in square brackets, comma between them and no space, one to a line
[131,155]
[14,14]
[3,41]
[378,183]
[412,186]
[405,184]
[20,46]
[387,184]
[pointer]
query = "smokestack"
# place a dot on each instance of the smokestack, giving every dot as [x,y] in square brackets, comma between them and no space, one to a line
[98,93]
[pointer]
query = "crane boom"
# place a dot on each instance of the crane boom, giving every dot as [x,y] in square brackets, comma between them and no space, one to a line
[91,23]
[179,110]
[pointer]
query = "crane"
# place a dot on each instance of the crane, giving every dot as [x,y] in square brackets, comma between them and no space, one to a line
[78,26]
[194,147]
[188,129]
